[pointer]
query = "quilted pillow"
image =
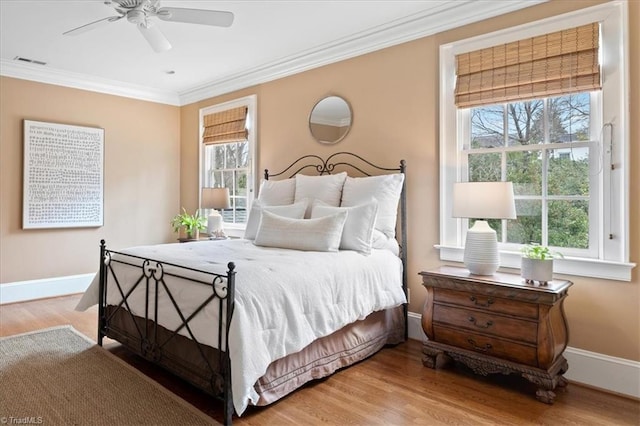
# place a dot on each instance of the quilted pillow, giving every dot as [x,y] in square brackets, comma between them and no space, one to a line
[358,228]
[384,188]
[327,188]
[277,192]
[295,211]
[321,234]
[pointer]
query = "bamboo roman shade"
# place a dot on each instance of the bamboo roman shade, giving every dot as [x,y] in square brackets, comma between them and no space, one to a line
[225,126]
[561,62]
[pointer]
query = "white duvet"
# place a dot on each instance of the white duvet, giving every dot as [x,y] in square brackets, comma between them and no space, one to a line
[284,300]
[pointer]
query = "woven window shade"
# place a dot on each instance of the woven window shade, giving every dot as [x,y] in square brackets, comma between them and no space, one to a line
[225,126]
[556,63]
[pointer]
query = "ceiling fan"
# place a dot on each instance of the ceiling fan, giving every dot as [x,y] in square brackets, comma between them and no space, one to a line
[142,13]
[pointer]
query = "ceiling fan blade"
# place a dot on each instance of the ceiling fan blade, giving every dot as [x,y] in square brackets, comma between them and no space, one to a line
[92,25]
[154,36]
[196,16]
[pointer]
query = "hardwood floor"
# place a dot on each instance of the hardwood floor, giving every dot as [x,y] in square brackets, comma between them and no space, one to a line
[390,388]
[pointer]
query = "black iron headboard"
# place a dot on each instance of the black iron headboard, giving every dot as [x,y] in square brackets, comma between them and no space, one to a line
[346,160]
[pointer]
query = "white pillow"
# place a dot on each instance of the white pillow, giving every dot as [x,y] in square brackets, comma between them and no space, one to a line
[384,188]
[294,211]
[327,188]
[382,242]
[277,192]
[358,228]
[321,234]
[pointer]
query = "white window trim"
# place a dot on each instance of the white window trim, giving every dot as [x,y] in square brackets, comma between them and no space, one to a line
[233,230]
[614,263]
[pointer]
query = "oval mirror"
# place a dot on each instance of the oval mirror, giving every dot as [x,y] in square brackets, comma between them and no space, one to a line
[330,120]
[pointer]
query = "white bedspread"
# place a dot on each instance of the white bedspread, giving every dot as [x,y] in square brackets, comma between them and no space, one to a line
[285,299]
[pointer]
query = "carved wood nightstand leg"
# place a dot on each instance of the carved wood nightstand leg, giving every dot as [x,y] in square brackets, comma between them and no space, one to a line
[562,382]
[546,396]
[430,358]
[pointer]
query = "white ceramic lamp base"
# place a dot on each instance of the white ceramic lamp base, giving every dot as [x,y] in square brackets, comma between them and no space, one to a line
[214,224]
[481,249]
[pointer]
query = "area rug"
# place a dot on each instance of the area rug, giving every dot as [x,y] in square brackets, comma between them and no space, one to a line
[60,377]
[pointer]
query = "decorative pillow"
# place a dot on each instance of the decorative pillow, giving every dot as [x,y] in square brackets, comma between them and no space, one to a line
[277,192]
[382,242]
[295,211]
[320,234]
[384,188]
[327,188]
[358,228]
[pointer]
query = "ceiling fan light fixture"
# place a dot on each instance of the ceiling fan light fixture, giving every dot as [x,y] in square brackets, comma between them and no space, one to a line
[136,17]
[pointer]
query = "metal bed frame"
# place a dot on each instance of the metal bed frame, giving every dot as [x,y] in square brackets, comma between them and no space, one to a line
[150,344]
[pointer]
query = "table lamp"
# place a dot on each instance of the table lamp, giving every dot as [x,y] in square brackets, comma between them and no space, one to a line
[215,199]
[481,201]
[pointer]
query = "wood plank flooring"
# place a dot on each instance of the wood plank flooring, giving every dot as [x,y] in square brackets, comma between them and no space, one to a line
[390,388]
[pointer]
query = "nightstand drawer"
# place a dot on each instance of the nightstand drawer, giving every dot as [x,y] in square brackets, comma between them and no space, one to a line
[510,328]
[523,354]
[489,303]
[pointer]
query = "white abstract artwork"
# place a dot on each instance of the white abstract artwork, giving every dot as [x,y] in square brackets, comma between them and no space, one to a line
[63,183]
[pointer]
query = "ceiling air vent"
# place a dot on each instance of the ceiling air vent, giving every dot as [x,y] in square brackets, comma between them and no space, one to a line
[31,61]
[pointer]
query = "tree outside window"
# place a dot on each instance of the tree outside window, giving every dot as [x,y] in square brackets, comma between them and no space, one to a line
[543,147]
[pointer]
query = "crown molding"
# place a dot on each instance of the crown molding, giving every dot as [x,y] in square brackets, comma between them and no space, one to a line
[44,74]
[445,16]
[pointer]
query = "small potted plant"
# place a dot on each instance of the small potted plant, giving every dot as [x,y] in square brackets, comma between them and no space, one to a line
[537,263]
[188,225]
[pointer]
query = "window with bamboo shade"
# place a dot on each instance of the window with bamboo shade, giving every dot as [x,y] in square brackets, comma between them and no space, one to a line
[225,126]
[557,63]
[227,151]
[545,105]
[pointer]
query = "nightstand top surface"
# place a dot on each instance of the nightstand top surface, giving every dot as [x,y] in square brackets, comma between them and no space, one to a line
[499,278]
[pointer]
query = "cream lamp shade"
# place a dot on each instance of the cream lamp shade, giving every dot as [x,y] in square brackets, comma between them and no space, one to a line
[215,199]
[481,201]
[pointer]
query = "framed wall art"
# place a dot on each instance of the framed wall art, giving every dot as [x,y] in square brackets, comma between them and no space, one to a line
[63,181]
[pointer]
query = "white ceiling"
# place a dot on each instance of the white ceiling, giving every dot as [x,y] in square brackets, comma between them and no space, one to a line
[268,40]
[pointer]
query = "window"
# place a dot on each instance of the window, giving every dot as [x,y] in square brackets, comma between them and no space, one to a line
[227,157]
[544,146]
[564,151]
[226,165]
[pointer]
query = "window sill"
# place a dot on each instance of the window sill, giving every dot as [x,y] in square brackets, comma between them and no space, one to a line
[582,267]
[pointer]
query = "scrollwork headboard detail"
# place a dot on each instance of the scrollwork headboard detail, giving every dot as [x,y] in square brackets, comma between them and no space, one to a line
[351,161]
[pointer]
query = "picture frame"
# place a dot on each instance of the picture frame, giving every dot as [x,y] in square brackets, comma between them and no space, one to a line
[63,176]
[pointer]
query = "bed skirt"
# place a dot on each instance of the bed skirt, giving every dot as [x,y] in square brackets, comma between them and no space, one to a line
[183,357]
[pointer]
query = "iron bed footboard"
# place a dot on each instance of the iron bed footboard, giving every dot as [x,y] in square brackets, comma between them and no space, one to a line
[149,343]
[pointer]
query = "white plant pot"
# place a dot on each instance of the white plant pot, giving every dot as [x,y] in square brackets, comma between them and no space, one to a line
[536,270]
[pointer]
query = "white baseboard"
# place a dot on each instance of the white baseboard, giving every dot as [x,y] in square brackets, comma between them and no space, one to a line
[613,374]
[39,289]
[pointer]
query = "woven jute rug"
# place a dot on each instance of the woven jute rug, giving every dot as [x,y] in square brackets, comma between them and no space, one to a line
[59,377]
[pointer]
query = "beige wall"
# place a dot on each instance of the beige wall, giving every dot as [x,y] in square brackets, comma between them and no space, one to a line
[394,96]
[141,177]
[151,151]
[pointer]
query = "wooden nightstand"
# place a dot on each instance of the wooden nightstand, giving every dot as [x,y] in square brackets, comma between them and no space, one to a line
[497,324]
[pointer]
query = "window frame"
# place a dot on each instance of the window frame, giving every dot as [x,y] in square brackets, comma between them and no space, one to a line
[613,254]
[465,149]
[232,229]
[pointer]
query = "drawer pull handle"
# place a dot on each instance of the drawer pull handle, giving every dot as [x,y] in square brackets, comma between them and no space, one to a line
[486,348]
[488,324]
[485,305]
